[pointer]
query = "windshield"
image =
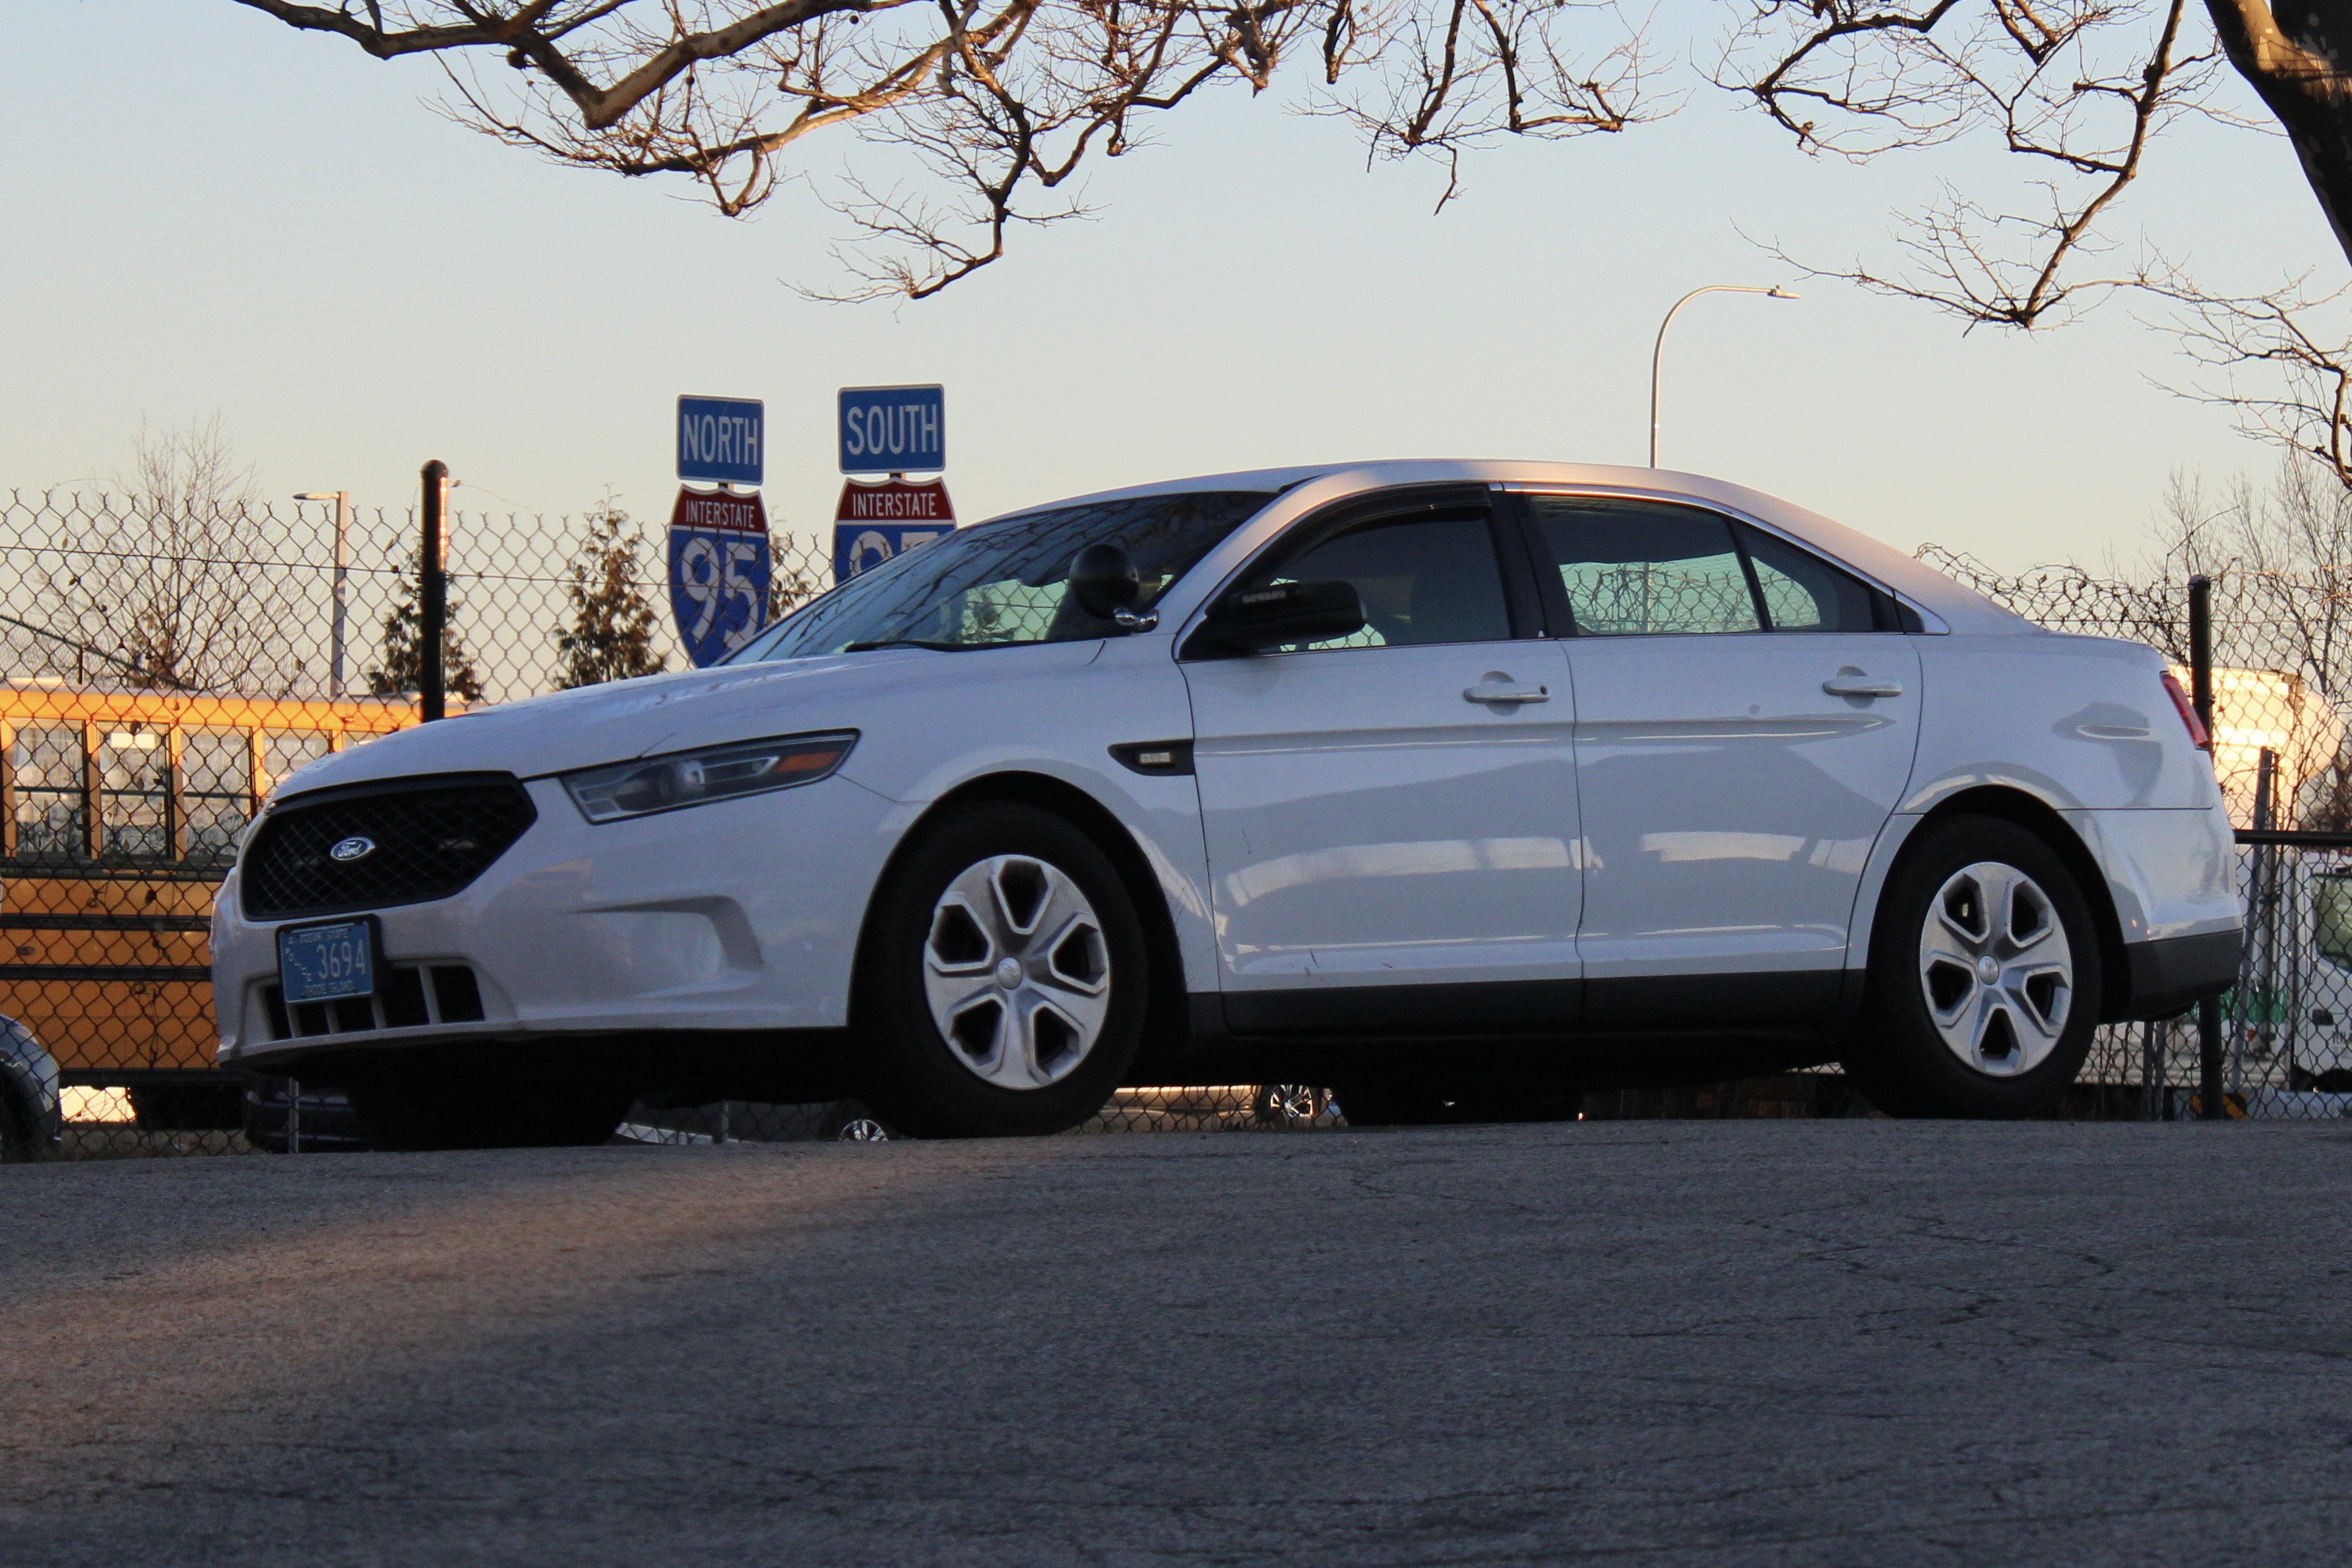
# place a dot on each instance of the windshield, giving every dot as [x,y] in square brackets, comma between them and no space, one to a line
[1004,583]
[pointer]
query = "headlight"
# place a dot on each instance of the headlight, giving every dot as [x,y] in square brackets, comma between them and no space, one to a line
[653,784]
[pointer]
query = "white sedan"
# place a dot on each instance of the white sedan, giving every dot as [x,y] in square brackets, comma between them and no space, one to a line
[1456,785]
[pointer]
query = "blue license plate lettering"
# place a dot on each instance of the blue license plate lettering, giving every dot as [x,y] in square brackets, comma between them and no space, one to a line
[324,963]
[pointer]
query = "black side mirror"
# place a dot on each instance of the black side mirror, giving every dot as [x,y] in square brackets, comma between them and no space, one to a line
[1103,581]
[1248,620]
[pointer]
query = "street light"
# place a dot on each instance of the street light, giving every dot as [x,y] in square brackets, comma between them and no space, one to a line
[342,500]
[1658,353]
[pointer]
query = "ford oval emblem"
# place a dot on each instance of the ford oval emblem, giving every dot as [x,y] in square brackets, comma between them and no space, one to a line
[355,849]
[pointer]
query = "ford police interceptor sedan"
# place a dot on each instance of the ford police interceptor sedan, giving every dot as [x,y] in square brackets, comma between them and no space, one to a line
[1453,785]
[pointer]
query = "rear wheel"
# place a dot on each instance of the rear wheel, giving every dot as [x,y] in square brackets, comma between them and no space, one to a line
[1002,981]
[1985,978]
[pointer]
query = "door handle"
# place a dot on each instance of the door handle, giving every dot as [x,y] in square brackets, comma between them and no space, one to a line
[1851,682]
[1500,688]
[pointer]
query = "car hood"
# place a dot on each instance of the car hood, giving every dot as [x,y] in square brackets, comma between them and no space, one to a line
[613,723]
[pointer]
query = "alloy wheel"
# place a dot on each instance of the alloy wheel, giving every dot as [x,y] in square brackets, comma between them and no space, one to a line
[1995,970]
[1017,972]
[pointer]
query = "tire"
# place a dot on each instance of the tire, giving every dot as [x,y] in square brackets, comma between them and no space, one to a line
[18,1143]
[1002,979]
[440,1110]
[1985,978]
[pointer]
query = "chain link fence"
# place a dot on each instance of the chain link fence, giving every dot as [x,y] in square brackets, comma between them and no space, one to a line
[2281,651]
[163,663]
[165,659]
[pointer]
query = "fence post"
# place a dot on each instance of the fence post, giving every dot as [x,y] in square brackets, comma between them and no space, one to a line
[342,592]
[2258,969]
[433,593]
[2201,696]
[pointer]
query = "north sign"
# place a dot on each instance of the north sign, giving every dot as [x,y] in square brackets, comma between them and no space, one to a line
[720,440]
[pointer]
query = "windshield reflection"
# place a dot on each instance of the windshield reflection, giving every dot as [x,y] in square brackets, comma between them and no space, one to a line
[1003,583]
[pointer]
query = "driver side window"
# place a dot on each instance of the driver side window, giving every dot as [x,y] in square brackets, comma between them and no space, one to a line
[1424,579]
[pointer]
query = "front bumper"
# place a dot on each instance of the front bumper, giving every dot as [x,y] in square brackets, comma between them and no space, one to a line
[737,916]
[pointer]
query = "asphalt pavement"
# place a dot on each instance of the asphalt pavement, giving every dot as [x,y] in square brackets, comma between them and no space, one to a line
[1799,1342]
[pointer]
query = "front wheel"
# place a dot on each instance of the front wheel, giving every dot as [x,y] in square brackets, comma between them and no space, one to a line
[1984,979]
[1002,980]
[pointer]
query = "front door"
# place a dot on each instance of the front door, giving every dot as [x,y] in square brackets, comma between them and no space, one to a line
[1391,818]
[1746,714]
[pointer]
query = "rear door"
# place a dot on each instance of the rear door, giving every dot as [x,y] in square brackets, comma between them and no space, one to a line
[1390,817]
[1746,713]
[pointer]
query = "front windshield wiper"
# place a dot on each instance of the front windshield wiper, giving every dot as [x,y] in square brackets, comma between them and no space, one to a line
[905,642]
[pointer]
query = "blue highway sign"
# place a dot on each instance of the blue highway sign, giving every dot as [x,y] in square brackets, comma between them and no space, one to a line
[859,548]
[719,569]
[894,429]
[719,440]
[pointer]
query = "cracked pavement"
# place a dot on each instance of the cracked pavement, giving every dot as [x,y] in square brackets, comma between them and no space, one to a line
[1736,1342]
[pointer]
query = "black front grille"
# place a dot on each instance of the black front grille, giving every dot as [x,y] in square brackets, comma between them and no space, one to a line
[430,840]
[399,1003]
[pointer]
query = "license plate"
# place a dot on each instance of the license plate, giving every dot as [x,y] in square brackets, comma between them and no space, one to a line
[325,963]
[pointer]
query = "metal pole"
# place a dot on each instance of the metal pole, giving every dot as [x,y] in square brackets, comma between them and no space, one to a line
[2262,999]
[293,1116]
[2200,649]
[342,581]
[433,593]
[2201,696]
[1658,350]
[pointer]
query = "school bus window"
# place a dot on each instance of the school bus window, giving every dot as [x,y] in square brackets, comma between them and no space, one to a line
[215,791]
[285,750]
[103,957]
[50,823]
[134,792]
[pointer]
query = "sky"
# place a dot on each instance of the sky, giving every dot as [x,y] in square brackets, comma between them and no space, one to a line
[210,215]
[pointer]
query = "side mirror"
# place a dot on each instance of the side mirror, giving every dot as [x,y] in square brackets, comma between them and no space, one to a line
[1103,581]
[1248,620]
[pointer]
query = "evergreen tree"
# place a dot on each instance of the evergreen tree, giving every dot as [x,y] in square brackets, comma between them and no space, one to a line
[402,667]
[611,636]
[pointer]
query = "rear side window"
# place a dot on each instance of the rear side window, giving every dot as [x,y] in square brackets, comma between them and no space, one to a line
[1636,568]
[1802,593]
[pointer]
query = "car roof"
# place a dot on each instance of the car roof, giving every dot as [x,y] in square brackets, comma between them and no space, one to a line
[1962,608]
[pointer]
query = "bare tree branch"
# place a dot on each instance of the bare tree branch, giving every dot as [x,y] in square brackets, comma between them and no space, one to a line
[2079,88]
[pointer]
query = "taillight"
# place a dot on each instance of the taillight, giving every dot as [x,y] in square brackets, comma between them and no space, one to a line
[2198,735]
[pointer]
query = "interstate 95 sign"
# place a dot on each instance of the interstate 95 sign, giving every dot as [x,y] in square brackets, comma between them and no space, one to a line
[876,522]
[719,569]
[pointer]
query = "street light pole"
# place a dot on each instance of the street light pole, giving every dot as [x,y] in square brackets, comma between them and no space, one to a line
[1657,354]
[342,500]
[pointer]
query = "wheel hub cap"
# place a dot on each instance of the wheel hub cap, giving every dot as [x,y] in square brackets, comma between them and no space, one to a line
[1017,972]
[1995,970]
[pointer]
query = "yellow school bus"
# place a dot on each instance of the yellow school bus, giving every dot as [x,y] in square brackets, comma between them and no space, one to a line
[119,811]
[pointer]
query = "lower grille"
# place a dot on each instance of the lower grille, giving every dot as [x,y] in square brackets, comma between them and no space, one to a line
[412,996]
[374,846]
